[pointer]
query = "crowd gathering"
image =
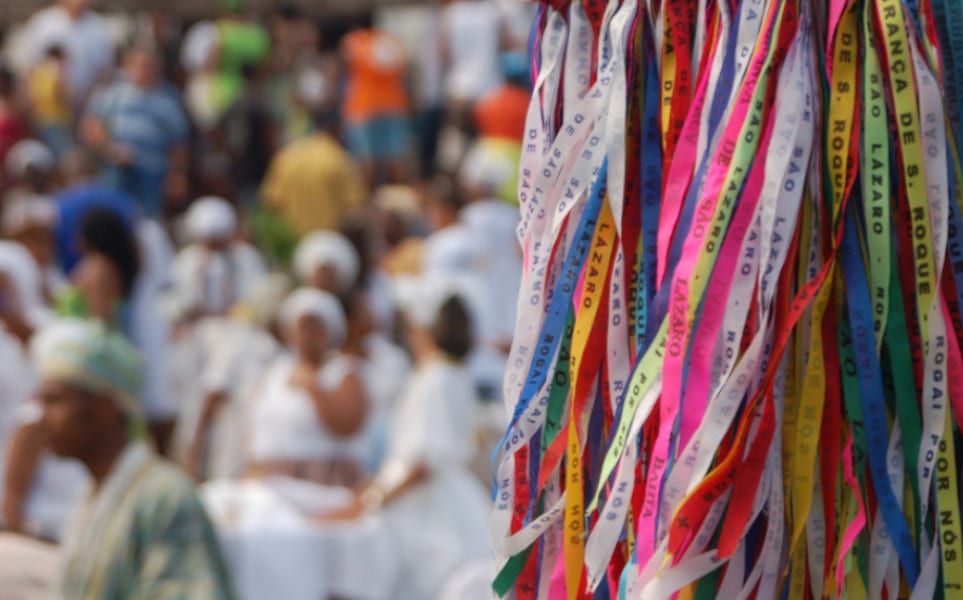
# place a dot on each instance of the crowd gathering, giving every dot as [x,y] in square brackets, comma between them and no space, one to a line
[258,277]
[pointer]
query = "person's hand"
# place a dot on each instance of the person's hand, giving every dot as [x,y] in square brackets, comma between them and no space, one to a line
[303,377]
[352,511]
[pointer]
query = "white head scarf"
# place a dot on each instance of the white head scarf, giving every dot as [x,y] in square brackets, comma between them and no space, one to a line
[210,218]
[323,248]
[26,154]
[320,305]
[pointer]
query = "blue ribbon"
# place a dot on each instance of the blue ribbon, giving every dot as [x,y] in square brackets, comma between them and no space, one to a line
[858,305]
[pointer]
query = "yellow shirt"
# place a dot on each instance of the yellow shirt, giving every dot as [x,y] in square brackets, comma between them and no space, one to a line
[315,184]
[49,105]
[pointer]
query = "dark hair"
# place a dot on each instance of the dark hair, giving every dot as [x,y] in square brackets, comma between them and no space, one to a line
[8,81]
[55,51]
[452,329]
[107,234]
[365,20]
[289,11]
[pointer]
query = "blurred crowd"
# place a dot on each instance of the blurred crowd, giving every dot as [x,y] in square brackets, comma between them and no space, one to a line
[258,277]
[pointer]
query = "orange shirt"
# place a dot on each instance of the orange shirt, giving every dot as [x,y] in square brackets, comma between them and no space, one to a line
[376,69]
[501,114]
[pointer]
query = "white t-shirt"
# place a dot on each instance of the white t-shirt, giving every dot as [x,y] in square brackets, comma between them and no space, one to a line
[473,38]
[211,282]
[87,44]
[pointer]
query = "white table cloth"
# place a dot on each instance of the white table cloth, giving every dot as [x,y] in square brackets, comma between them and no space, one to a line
[275,551]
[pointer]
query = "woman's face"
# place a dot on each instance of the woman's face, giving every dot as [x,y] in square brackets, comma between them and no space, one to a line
[309,338]
[325,278]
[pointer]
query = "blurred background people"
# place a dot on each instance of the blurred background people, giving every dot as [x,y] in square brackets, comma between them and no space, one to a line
[216,269]
[431,503]
[49,96]
[84,36]
[314,183]
[376,105]
[169,195]
[139,126]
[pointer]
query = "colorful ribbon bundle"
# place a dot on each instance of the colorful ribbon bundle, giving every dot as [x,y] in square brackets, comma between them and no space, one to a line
[737,369]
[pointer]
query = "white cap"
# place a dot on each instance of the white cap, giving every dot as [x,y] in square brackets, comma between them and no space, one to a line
[26,154]
[321,305]
[210,218]
[323,248]
[311,87]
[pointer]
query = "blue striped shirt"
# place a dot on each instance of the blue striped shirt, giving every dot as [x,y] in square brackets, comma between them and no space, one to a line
[151,122]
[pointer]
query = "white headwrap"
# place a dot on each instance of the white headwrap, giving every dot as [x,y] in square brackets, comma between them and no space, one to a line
[320,305]
[323,248]
[26,154]
[311,87]
[210,218]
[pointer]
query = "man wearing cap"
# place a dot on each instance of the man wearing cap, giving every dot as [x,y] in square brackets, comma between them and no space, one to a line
[142,532]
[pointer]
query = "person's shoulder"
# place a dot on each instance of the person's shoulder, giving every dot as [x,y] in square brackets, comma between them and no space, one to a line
[166,486]
[52,16]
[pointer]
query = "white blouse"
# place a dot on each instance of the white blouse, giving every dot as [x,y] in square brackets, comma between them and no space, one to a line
[285,425]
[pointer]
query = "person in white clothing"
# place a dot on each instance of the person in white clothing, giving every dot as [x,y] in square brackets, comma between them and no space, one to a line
[432,506]
[326,260]
[471,39]
[216,269]
[81,32]
[37,489]
[494,223]
[308,416]
[231,354]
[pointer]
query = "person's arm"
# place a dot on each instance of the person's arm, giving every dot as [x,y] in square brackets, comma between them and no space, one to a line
[194,462]
[376,494]
[22,460]
[343,410]
[95,133]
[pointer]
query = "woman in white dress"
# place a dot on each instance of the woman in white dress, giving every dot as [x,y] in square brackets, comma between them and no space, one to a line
[230,356]
[433,507]
[308,417]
